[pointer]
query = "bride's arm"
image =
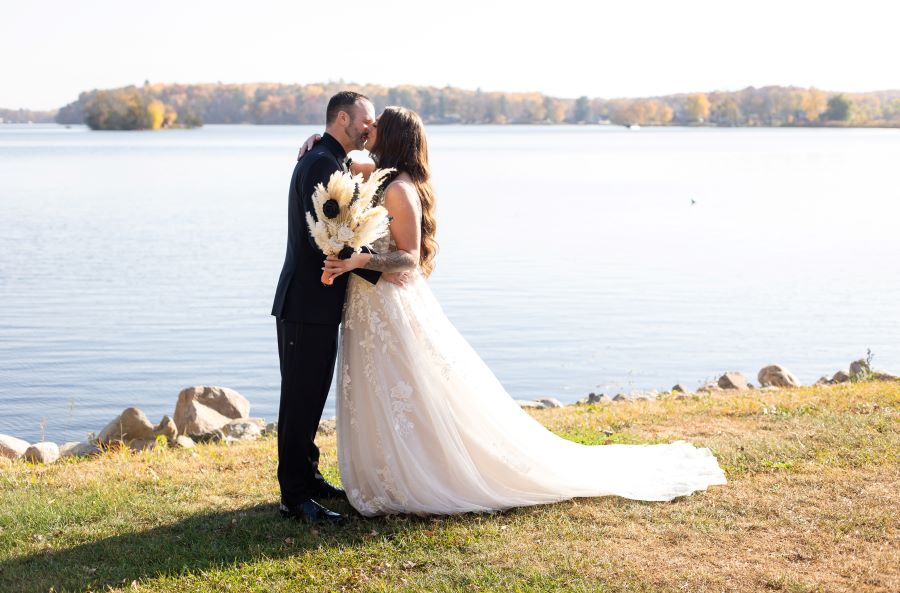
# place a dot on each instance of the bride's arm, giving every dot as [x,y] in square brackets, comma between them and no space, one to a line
[308,145]
[402,204]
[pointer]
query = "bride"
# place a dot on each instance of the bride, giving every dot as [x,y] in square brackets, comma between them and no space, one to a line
[423,426]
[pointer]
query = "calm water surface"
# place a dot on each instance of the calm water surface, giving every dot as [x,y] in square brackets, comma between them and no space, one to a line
[135,264]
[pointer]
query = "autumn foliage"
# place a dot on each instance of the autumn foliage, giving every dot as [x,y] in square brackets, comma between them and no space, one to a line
[154,106]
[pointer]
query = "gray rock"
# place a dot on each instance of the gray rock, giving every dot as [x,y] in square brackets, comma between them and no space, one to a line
[776,375]
[732,380]
[620,397]
[594,398]
[213,436]
[167,428]
[76,449]
[11,447]
[193,418]
[184,442]
[823,381]
[679,388]
[131,424]
[709,388]
[242,430]
[885,376]
[842,376]
[527,403]
[226,402]
[551,402]
[142,444]
[860,369]
[271,429]
[43,452]
[327,426]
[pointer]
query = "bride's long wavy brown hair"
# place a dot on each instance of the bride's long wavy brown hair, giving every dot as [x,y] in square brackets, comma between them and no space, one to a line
[401,144]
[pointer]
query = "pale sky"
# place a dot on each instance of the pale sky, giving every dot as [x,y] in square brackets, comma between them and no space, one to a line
[51,50]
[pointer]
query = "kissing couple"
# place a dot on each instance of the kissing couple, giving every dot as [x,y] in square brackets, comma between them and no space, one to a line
[423,425]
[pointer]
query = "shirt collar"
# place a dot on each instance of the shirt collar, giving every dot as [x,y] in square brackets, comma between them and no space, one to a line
[334,146]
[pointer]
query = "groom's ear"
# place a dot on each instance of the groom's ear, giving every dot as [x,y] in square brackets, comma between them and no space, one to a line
[344,117]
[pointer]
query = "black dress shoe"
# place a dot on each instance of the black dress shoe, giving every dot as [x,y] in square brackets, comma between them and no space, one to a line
[311,511]
[325,490]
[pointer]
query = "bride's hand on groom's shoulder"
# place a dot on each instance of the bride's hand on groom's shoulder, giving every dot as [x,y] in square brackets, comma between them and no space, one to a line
[308,145]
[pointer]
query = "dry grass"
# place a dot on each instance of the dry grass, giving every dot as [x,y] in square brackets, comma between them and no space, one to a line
[811,506]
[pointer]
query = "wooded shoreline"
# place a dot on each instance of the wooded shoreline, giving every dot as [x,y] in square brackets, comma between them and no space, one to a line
[155,106]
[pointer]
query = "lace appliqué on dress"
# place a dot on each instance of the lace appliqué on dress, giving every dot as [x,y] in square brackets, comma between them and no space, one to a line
[401,406]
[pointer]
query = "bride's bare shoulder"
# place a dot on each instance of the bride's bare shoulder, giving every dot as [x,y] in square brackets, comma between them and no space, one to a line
[401,191]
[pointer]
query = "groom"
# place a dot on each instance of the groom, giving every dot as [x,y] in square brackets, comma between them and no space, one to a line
[308,313]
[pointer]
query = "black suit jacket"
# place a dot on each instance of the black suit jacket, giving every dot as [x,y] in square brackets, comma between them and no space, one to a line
[300,295]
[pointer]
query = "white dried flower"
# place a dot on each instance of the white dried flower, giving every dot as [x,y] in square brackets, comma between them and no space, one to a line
[344,233]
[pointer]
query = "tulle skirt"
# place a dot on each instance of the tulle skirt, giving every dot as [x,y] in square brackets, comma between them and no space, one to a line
[424,426]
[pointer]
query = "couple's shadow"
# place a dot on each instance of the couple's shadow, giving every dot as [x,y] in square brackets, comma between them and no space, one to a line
[196,543]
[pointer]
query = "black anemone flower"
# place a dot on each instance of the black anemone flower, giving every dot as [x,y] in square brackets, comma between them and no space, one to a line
[331,208]
[346,253]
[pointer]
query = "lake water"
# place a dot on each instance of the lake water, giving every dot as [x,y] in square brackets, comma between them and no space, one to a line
[134,264]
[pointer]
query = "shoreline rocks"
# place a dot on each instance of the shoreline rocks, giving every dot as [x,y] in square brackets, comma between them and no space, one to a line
[327,426]
[76,449]
[203,409]
[43,452]
[132,424]
[776,375]
[842,376]
[860,369]
[733,380]
[184,442]
[219,414]
[242,429]
[166,428]
[11,447]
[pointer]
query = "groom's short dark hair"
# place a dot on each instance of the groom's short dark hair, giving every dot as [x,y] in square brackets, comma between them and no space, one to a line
[342,101]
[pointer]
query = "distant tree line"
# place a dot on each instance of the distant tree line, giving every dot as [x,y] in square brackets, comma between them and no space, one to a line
[154,106]
[26,116]
[766,106]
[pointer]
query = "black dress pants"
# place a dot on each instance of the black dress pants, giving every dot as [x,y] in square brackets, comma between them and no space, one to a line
[307,352]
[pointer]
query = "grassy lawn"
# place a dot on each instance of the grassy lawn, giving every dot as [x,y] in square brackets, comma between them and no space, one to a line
[812,505]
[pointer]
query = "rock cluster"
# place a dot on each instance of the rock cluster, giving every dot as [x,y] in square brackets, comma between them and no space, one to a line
[218,414]
[771,378]
[202,414]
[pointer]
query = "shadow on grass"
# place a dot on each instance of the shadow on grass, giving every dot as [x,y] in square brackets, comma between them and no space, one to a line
[197,543]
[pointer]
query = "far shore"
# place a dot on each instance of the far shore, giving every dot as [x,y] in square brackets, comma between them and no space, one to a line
[828,125]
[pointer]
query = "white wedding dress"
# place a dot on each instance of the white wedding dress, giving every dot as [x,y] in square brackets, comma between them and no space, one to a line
[424,427]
